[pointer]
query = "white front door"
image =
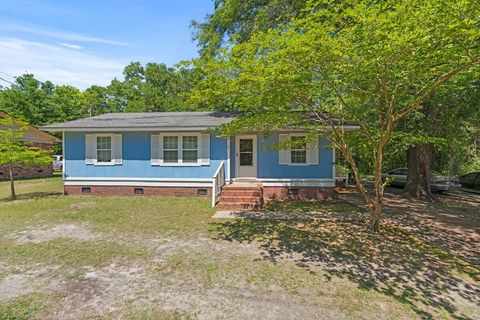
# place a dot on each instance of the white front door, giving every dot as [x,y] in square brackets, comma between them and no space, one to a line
[246,156]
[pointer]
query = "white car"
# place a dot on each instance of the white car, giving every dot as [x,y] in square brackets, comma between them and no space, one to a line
[57,162]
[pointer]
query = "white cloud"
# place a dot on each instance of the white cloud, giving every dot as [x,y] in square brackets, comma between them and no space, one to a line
[57,34]
[57,63]
[70,46]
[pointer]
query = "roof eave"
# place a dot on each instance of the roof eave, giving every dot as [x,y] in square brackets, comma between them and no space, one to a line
[110,129]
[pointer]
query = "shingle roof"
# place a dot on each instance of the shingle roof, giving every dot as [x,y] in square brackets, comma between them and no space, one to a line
[33,134]
[147,120]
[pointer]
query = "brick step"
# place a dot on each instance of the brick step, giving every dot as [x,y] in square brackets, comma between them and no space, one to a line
[237,206]
[241,199]
[241,193]
[239,187]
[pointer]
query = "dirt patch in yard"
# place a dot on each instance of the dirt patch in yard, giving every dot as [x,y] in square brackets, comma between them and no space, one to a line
[38,234]
[97,291]
[311,261]
[198,277]
[18,282]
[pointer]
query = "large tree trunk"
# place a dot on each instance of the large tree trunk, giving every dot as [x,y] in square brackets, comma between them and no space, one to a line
[419,170]
[13,196]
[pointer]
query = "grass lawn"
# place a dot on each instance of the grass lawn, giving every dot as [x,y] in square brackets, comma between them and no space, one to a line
[83,257]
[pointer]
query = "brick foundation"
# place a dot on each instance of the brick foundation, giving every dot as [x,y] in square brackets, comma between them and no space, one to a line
[23,171]
[27,172]
[130,191]
[304,193]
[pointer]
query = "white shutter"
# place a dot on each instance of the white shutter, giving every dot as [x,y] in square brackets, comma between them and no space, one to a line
[204,147]
[155,149]
[312,152]
[160,148]
[90,148]
[117,149]
[283,154]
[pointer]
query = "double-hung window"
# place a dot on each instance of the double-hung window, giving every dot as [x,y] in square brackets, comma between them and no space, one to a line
[170,149]
[104,149]
[180,149]
[190,149]
[298,151]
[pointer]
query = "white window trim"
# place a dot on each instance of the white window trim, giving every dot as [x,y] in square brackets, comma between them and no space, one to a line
[104,163]
[180,162]
[170,150]
[288,150]
[197,149]
[290,163]
[95,160]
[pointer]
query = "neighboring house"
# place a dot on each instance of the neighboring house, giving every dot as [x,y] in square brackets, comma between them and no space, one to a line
[35,138]
[179,153]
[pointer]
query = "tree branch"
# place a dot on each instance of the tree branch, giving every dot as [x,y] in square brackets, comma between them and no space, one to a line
[403,112]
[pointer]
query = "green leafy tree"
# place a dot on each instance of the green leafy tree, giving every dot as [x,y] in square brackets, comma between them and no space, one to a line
[95,99]
[14,152]
[440,130]
[40,103]
[154,87]
[236,21]
[371,63]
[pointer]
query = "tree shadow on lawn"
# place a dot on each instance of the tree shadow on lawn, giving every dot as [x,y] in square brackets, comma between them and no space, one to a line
[394,262]
[34,195]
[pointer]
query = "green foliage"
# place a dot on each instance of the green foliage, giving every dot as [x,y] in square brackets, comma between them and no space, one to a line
[13,151]
[353,60]
[154,87]
[236,21]
[40,103]
[375,64]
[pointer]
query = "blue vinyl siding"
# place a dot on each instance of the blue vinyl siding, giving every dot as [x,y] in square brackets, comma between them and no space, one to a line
[268,166]
[136,159]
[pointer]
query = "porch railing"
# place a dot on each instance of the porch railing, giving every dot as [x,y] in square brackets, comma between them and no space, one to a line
[218,182]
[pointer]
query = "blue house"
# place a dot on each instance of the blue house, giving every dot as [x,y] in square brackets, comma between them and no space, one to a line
[179,153]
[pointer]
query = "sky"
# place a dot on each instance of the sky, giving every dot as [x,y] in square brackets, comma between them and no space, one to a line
[87,42]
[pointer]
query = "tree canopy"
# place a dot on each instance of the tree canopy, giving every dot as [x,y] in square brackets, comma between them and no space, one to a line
[14,152]
[236,21]
[372,63]
[153,87]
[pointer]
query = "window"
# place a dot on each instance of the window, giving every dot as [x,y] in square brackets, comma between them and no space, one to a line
[104,149]
[181,149]
[86,190]
[298,151]
[246,152]
[190,149]
[170,149]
